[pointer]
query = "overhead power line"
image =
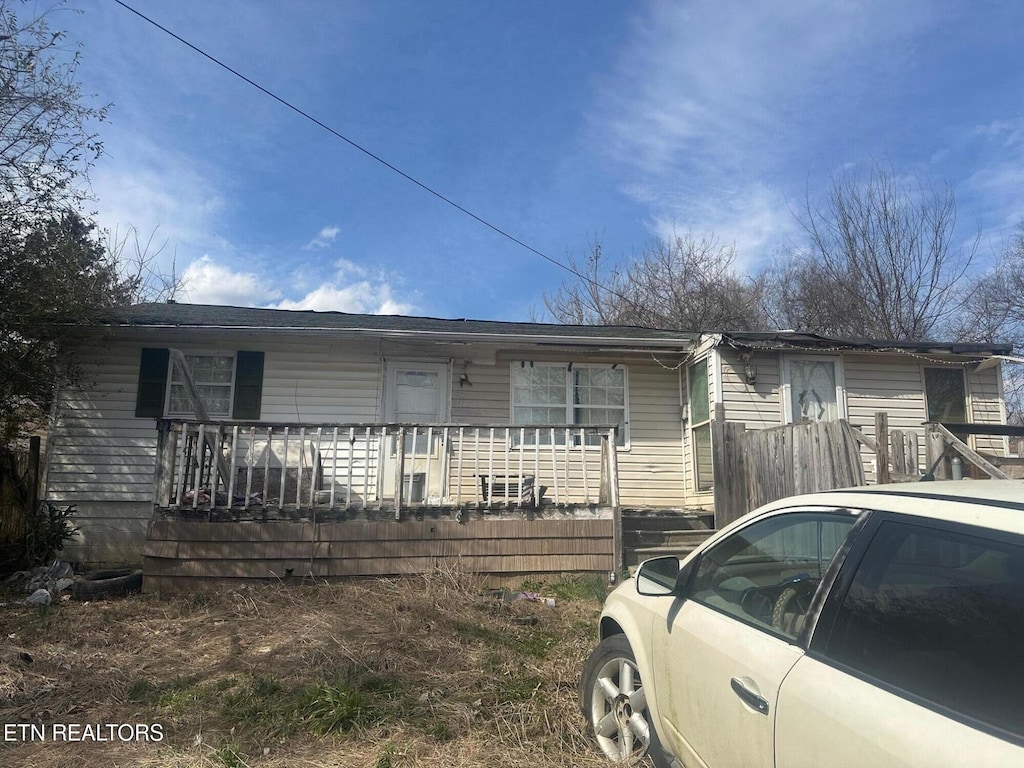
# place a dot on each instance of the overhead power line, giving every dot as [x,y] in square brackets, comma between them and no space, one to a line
[337,134]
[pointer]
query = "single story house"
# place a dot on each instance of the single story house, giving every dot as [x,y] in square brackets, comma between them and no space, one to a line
[206,413]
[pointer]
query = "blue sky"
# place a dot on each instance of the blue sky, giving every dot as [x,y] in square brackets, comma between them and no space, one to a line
[558,122]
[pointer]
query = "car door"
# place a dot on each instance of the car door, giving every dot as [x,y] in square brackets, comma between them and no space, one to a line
[916,659]
[726,647]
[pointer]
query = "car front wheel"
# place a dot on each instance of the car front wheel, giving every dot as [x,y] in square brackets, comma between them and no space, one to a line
[615,705]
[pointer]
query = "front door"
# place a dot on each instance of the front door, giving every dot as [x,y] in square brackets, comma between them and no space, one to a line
[416,393]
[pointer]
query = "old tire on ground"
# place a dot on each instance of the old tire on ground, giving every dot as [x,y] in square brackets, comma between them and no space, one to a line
[615,705]
[109,583]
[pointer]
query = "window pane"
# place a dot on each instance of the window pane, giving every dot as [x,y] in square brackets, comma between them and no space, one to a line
[702,457]
[700,408]
[944,390]
[602,416]
[540,385]
[766,574]
[216,400]
[179,400]
[813,390]
[417,397]
[213,377]
[537,415]
[599,398]
[939,615]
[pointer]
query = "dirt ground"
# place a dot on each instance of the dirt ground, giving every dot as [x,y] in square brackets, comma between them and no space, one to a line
[418,672]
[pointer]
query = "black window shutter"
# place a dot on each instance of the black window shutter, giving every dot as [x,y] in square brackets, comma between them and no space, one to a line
[248,385]
[149,401]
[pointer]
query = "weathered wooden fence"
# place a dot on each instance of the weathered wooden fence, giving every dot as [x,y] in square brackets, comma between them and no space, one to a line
[754,467]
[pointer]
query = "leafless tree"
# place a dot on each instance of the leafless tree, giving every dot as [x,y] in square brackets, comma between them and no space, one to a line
[55,269]
[878,260]
[685,283]
[141,274]
[46,139]
[995,313]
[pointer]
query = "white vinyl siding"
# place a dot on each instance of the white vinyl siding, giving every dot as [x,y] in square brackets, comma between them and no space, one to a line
[651,469]
[101,456]
[873,382]
[651,472]
[986,407]
[758,404]
[99,450]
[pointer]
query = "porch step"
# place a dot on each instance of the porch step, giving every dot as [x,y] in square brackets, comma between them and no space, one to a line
[662,520]
[664,538]
[636,555]
[654,533]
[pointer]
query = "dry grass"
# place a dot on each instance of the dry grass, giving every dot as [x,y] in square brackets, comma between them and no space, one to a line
[426,672]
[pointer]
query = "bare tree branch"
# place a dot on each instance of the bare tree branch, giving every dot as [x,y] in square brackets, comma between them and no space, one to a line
[878,261]
[685,283]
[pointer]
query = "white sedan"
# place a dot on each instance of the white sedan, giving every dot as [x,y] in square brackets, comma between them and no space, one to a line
[878,626]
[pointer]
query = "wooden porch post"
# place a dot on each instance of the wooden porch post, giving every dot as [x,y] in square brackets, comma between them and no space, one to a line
[936,454]
[399,471]
[159,470]
[882,474]
[612,468]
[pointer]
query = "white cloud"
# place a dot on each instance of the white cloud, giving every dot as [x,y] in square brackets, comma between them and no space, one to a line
[364,297]
[346,268]
[207,282]
[162,193]
[997,180]
[754,220]
[711,104]
[324,239]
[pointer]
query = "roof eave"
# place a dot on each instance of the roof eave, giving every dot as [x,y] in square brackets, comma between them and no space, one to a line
[683,343]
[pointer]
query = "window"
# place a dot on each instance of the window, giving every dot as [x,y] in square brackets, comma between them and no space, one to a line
[939,614]
[214,379]
[229,385]
[814,387]
[700,425]
[561,394]
[767,573]
[945,395]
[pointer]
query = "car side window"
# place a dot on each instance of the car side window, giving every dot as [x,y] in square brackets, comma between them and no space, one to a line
[939,614]
[766,574]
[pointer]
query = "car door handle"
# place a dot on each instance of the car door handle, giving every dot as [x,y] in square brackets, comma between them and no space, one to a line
[751,698]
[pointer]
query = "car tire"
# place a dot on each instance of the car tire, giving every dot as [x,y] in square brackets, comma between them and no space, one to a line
[110,583]
[615,705]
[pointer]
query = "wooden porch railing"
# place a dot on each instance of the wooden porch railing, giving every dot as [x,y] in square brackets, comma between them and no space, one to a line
[247,467]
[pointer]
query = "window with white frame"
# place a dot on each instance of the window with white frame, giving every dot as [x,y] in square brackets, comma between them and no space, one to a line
[214,377]
[813,389]
[561,394]
[700,425]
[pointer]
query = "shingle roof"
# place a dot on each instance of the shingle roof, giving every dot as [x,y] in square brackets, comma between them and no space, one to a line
[210,316]
[174,315]
[812,341]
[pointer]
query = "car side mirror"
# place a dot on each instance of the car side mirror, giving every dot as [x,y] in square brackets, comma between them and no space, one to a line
[658,577]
